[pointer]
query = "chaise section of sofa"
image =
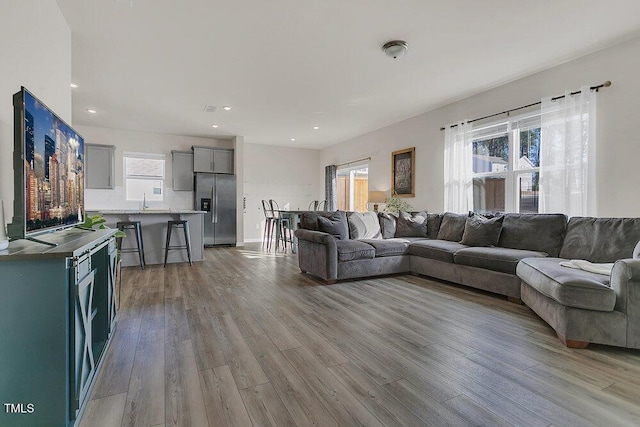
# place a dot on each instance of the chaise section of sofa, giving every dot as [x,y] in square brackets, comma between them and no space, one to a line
[585,307]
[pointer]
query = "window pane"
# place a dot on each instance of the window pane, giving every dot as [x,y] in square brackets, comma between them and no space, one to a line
[489,194]
[528,184]
[353,189]
[529,149]
[491,155]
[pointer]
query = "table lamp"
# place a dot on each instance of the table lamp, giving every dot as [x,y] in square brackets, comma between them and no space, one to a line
[376,197]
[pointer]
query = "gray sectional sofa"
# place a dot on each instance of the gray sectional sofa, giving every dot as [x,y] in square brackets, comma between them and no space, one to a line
[515,255]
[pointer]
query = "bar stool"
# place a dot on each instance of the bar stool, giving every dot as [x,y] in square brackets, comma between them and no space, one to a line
[187,238]
[282,224]
[269,222]
[137,228]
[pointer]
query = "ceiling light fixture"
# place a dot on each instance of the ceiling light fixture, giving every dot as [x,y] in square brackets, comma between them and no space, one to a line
[293,140]
[73,85]
[395,48]
[316,127]
[89,110]
[214,125]
[226,108]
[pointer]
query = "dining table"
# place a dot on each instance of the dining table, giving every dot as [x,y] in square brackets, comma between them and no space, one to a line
[294,221]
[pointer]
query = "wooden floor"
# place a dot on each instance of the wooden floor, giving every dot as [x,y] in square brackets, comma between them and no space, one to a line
[244,339]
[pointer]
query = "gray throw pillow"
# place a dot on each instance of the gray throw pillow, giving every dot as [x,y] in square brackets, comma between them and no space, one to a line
[412,225]
[387,225]
[636,251]
[333,225]
[481,231]
[433,225]
[452,227]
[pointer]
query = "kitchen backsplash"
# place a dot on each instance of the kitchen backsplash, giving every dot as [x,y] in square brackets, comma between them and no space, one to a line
[115,199]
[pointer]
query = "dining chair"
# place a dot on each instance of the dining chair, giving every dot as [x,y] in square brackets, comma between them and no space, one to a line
[322,206]
[313,206]
[282,225]
[269,222]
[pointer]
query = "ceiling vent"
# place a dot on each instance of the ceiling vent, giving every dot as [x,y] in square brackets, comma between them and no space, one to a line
[209,108]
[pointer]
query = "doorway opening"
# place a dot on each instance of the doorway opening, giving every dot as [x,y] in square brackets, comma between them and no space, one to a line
[353,188]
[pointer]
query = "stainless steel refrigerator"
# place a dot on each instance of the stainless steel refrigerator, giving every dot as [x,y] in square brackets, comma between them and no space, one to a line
[215,193]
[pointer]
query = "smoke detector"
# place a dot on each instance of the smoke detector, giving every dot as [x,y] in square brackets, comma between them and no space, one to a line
[395,48]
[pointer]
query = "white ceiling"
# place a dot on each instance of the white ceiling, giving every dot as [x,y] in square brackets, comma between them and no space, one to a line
[288,65]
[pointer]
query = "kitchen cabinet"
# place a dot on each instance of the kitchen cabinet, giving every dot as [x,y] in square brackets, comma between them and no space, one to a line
[100,166]
[182,170]
[58,314]
[212,160]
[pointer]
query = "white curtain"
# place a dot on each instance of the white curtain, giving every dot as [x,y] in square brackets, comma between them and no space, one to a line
[458,164]
[567,154]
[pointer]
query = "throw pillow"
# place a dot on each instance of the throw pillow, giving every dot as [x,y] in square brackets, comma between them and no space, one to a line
[412,225]
[364,225]
[452,227]
[387,225]
[433,225]
[482,231]
[333,225]
[636,251]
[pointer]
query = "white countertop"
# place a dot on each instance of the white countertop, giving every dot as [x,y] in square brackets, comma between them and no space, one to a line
[145,211]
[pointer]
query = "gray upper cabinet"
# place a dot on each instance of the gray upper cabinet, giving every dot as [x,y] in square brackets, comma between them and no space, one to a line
[212,160]
[203,159]
[100,166]
[182,170]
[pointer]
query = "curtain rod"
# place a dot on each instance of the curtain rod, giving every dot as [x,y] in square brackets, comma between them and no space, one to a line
[354,161]
[605,84]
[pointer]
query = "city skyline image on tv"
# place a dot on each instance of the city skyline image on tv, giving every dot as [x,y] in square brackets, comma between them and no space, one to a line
[54,168]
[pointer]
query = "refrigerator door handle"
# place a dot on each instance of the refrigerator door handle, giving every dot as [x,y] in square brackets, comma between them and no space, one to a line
[214,208]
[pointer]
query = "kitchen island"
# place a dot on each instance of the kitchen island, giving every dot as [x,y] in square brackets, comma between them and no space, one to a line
[154,233]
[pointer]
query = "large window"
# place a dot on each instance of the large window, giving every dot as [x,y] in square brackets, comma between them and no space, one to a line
[353,188]
[144,177]
[506,166]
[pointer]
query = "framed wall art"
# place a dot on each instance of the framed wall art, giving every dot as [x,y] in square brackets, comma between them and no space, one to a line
[403,172]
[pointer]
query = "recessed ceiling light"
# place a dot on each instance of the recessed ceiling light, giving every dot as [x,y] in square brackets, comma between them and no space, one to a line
[226,108]
[214,125]
[73,85]
[293,140]
[316,127]
[89,110]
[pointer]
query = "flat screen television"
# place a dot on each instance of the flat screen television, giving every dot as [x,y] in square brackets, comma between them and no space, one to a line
[48,164]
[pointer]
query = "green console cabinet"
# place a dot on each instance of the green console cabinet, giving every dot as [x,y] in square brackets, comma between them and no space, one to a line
[57,315]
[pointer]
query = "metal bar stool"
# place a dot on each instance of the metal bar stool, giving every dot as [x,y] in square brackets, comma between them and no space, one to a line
[269,222]
[137,228]
[187,238]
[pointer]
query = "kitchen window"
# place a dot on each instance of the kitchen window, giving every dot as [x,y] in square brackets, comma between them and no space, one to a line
[144,177]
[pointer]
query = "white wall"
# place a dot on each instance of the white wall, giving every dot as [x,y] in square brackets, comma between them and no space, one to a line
[35,52]
[145,142]
[618,140]
[287,175]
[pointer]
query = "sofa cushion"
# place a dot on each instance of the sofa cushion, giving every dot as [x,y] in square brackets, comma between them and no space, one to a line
[350,250]
[567,286]
[533,232]
[481,231]
[411,225]
[387,224]
[441,250]
[363,225]
[452,227]
[636,251]
[333,225]
[496,259]
[388,247]
[600,239]
[433,225]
